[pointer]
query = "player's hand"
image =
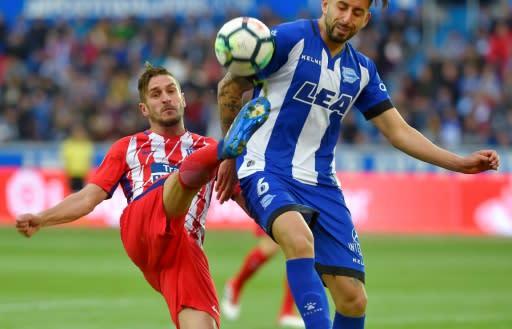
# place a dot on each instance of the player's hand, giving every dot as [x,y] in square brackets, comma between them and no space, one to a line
[28,224]
[481,161]
[226,180]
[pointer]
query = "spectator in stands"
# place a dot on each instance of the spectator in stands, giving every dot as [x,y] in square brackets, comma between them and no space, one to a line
[77,154]
[500,49]
[72,53]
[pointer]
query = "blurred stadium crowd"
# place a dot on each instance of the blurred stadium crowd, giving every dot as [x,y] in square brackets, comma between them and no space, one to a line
[55,73]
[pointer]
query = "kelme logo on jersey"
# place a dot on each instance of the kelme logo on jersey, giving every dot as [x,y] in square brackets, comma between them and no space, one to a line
[349,74]
[309,93]
[161,169]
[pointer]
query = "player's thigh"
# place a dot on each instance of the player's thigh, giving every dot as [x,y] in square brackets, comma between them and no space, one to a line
[292,233]
[269,196]
[176,198]
[187,283]
[190,318]
[337,247]
[144,230]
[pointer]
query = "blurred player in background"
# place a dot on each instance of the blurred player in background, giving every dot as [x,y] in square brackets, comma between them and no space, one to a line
[287,174]
[253,261]
[167,175]
[77,152]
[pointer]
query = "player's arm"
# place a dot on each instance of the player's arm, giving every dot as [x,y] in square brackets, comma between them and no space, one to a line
[230,100]
[239,199]
[73,207]
[407,139]
[230,90]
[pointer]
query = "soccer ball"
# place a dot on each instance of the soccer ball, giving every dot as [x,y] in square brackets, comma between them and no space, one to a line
[244,46]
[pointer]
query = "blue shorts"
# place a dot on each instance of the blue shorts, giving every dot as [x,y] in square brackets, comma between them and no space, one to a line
[337,248]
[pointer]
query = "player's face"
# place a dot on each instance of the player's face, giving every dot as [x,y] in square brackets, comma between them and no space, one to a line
[344,18]
[164,103]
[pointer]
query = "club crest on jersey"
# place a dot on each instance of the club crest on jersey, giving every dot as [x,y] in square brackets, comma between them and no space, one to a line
[189,151]
[159,170]
[349,74]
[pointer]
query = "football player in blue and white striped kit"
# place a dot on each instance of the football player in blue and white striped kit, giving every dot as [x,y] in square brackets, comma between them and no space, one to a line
[287,173]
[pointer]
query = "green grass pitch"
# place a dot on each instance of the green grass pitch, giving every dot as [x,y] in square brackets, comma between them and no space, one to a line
[81,279]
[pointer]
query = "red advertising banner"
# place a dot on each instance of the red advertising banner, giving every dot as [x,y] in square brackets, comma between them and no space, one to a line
[409,203]
[430,203]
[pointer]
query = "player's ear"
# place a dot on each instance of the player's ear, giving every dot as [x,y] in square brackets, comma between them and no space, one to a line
[324,6]
[143,109]
[368,18]
[183,102]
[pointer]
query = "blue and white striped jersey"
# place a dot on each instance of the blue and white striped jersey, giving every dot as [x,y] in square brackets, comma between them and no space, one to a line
[310,92]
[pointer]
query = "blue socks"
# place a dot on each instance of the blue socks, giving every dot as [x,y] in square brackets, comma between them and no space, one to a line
[309,293]
[345,322]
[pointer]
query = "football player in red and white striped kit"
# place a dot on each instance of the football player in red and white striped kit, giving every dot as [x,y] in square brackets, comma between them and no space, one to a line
[167,175]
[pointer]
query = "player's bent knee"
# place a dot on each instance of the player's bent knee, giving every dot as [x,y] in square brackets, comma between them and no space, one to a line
[293,235]
[348,293]
[358,305]
[299,246]
[353,304]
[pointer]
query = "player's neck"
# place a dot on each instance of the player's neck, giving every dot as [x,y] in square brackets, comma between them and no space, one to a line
[334,47]
[170,131]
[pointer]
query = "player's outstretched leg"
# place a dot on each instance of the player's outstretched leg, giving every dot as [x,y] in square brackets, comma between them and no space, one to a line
[199,167]
[230,304]
[252,115]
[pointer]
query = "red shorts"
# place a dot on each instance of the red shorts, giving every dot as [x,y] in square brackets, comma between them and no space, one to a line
[170,260]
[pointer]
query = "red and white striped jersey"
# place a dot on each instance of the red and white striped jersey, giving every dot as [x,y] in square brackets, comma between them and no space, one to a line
[136,162]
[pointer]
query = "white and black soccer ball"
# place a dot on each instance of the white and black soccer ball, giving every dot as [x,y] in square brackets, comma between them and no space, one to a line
[244,45]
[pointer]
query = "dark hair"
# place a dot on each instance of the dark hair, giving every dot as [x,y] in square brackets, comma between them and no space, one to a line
[385,3]
[150,71]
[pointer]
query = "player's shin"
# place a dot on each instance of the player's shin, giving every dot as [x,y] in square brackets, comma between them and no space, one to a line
[345,322]
[251,264]
[309,293]
[199,167]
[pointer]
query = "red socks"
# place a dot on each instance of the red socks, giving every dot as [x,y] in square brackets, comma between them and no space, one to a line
[199,168]
[252,262]
[288,304]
